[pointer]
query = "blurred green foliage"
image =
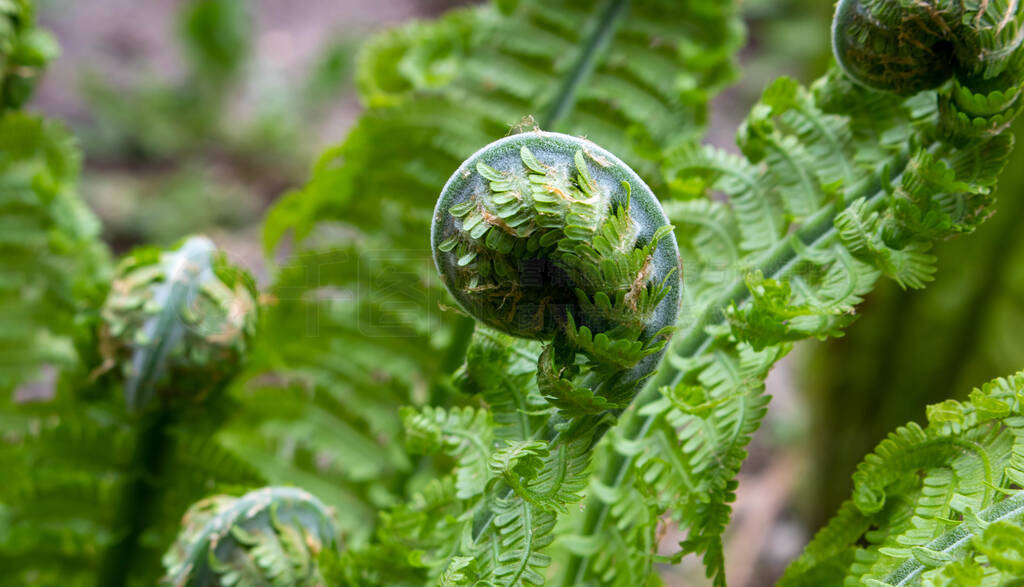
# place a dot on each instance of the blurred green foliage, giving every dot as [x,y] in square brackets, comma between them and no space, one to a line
[24,51]
[217,36]
[212,148]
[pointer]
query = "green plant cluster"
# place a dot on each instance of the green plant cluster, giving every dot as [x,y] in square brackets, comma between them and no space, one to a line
[536,447]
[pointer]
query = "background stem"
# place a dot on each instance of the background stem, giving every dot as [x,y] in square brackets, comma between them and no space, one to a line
[140,494]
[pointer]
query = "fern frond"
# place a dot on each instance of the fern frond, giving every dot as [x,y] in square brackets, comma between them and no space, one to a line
[860,192]
[54,264]
[465,434]
[932,504]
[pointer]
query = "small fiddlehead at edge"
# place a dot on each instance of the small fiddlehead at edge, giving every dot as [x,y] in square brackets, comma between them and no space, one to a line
[907,46]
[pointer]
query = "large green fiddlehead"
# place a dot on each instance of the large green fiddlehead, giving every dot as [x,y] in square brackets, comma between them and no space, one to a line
[547,236]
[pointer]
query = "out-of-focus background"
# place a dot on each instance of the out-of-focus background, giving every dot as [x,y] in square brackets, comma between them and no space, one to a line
[195,117]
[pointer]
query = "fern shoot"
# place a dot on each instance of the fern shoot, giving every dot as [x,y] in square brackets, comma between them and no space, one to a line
[544,236]
[272,536]
[177,321]
[542,233]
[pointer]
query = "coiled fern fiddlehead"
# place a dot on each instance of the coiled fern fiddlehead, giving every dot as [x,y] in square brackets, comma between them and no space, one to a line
[547,236]
[543,235]
[908,46]
[177,323]
[270,536]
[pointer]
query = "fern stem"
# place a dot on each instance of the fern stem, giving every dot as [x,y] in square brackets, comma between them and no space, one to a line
[1009,508]
[581,70]
[137,500]
[819,228]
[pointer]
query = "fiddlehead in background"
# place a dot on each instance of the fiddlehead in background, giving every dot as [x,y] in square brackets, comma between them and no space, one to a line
[177,322]
[270,536]
[908,46]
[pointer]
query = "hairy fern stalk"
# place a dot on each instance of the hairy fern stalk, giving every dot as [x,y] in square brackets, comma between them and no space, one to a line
[580,357]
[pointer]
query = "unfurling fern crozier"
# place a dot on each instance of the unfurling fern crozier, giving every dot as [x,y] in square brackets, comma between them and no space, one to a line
[178,322]
[906,47]
[547,236]
[271,536]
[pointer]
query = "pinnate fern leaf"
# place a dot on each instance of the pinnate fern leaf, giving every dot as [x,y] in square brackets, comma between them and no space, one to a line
[941,504]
